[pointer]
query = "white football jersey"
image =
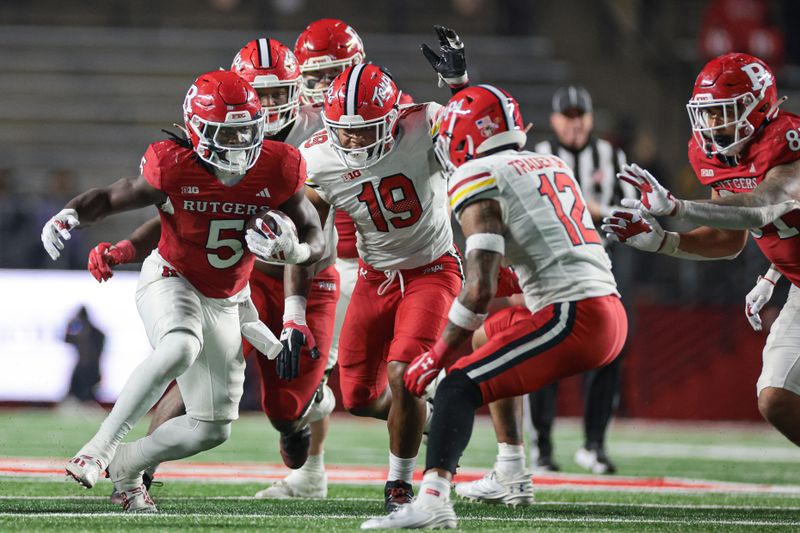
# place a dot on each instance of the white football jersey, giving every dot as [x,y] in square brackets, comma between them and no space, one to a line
[399,204]
[309,120]
[550,239]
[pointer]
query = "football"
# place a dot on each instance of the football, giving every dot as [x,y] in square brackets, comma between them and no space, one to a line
[269,223]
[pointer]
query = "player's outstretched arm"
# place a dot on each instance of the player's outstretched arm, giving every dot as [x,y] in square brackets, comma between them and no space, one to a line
[123,195]
[778,194]
[134,249]
[482,223]
[642,231]
[451,65]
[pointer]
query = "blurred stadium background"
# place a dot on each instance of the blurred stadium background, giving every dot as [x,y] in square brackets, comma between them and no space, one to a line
[86,86]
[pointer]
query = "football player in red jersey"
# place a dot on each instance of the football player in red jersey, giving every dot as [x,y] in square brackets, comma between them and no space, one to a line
[193,294]
[294,395]
[374,160]
[748,151]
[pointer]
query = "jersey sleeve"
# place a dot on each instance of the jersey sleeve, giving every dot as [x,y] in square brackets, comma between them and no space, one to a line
[150,168]
[471,183]
[783,144]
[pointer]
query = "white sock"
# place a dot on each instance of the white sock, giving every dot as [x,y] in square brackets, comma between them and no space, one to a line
[314,464]
[177,438]
[401,468]
[434,490]
[510,459]
[144,387]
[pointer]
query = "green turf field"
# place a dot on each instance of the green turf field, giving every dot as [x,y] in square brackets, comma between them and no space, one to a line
[729,453]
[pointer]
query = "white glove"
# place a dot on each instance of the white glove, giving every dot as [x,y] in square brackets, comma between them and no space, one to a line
[634,228]
[281,249]
[655,199]
[58,228]
[758,297]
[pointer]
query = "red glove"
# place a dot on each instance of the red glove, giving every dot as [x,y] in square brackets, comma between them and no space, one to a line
[424,369]
[104,256]
[507,283]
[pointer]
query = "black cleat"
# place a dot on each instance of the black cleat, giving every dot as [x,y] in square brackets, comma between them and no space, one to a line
[294,448]
[395,494]
[545,463]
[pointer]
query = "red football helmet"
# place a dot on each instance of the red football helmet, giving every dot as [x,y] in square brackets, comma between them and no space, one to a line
[224,121]
[733,96]
[476,120]
[362,102]
[267,64]
[326,44]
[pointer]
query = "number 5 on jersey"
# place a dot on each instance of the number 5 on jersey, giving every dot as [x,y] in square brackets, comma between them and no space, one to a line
[578,232]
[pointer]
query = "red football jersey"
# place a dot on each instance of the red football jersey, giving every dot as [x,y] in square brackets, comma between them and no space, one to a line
[778,143]
[346,229]
[204,238]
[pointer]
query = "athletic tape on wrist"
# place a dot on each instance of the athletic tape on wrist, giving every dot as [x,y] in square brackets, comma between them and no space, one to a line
[491,242]
[294,309]
[465,318]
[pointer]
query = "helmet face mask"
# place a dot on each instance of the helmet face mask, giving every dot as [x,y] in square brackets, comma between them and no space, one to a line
[272,69]
[224,121]
[361,104]
[733,96]
[377,134]
[326,44]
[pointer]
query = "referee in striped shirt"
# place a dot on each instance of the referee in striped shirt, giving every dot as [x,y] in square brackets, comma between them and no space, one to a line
[595,164]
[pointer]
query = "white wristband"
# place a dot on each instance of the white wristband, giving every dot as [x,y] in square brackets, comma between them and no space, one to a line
[772,275]
[465,318]
[491,242]
[294,309]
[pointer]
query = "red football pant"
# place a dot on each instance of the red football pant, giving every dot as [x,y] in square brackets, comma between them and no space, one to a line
[527,351]
[281,399]
[398,325]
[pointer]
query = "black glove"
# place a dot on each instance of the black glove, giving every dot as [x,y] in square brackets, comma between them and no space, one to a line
[293,337]
[451,66]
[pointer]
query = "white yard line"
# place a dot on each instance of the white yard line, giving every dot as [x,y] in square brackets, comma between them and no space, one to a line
[317,516]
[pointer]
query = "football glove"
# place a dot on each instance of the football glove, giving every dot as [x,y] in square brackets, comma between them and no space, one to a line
[104,256]
[655,199]
[422,371]
[282,248]
[507,283]
[294,336]
[451,66]
[634,228]
[757,298]
[58,228]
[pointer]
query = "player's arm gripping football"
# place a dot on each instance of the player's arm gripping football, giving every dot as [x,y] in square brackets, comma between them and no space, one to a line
[123,195]
[482,223]
[776,195]
[297,285]
[134,249]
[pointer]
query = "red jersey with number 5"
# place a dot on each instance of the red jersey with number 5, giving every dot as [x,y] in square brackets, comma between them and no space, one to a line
[202,228]
[778,143]
[550,238]
[398,204]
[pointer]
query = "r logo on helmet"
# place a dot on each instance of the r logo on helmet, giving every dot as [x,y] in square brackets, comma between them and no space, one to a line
[760,78]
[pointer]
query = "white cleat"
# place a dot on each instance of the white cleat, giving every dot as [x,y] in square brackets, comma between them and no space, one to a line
[298,484]
[136,500]
[595,461]
[85,469]
[493,488]
[416,516]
